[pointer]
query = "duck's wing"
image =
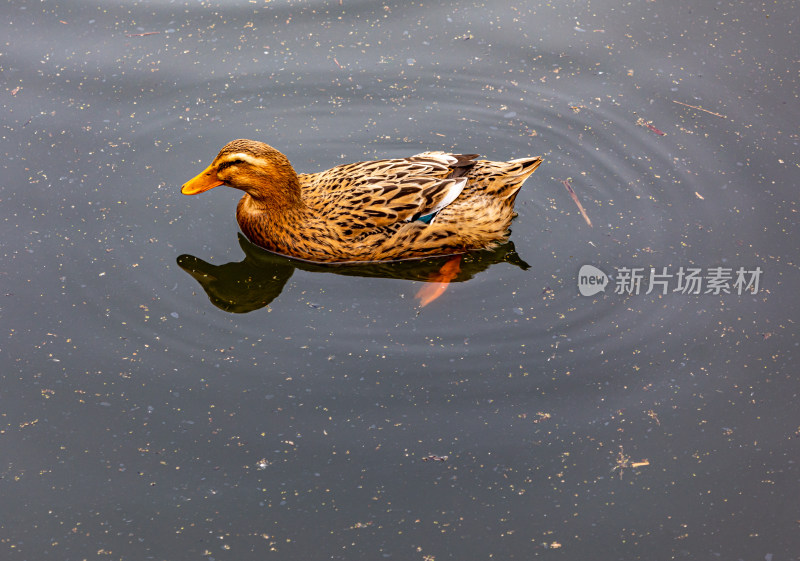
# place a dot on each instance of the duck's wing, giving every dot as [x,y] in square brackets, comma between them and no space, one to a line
[384,192]
[391,201]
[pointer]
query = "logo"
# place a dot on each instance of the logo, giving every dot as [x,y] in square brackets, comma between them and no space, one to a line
[591,280]
[686,280]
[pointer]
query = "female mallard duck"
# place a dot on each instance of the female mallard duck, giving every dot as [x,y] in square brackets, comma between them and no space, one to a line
[427,205]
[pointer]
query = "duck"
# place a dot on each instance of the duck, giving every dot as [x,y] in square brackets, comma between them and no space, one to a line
[428,205]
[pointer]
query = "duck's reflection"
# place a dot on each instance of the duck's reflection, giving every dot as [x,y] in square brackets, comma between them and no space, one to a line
[260,277]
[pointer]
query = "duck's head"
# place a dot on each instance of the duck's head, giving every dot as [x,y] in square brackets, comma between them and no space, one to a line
[249,165]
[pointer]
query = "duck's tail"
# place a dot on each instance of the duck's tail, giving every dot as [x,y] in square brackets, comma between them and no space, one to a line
[501,180]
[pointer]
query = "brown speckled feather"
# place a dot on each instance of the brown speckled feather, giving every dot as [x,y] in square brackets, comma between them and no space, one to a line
[426,205]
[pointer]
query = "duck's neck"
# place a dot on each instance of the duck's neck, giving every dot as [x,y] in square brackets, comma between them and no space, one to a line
[282,196]
[279,207]
[270,221]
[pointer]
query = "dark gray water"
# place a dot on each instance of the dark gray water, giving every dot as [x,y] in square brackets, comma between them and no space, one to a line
[171,392]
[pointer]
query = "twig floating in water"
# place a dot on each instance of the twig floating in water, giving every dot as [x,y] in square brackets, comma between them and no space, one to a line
[142,34]
[577,202]
[699,109]
[624,462]
[643,123]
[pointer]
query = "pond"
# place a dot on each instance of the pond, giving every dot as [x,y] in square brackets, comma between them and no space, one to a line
[171,391]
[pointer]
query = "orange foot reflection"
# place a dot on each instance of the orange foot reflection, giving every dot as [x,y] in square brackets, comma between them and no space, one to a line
[438,282]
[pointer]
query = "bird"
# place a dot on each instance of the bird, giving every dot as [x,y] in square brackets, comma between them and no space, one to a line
[431,204]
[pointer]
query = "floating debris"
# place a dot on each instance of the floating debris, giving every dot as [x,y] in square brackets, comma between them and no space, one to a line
[434,458]
[542,417]
[624,462]
[699,109]
[642,123]
[577,202]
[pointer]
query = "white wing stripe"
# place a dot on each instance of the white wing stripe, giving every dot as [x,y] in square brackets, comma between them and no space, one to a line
[452,195]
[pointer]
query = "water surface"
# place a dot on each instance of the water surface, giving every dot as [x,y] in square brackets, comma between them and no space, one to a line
[299,412]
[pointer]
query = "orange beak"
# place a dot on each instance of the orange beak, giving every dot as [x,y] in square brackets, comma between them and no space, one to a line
[207,179]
